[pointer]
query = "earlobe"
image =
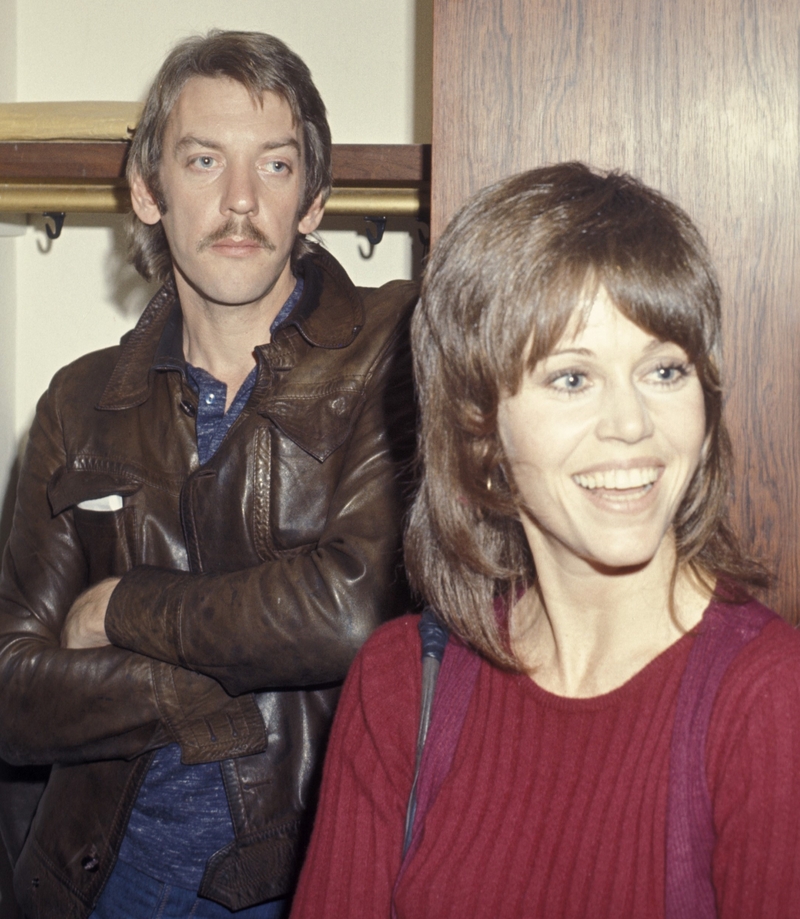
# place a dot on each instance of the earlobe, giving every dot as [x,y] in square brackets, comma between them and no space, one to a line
[143,202]
[311,220]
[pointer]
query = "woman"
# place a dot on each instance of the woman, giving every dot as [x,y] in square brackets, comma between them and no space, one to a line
[570,529]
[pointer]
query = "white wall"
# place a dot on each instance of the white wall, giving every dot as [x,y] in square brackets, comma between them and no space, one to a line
[7,353]
[76,294]
[7,273]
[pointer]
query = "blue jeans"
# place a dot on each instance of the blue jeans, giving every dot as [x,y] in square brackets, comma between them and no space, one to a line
[129,894]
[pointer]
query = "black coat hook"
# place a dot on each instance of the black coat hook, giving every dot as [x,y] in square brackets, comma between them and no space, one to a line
[58,223]
[380,226]
[373,239]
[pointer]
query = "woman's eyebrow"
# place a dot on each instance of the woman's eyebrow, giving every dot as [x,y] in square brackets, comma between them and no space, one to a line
[583,352]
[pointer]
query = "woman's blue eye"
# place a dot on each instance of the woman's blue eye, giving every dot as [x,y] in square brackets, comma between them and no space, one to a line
[671,373]
[571,381]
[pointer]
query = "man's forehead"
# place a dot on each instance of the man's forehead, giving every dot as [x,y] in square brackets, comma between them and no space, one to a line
[205,98]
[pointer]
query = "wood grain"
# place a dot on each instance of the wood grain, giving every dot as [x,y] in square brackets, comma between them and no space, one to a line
[60,160]
[393,164]
[699,99]
[353,164]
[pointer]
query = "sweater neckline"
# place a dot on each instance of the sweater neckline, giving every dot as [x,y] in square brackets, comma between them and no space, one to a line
[634,685]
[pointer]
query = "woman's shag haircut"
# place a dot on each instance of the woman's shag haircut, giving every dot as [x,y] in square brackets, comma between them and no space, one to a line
[501,286]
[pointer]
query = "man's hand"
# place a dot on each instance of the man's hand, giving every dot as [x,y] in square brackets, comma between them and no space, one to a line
[85,625]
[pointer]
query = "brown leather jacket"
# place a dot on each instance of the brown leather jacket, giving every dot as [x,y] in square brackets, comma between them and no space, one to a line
[248,583]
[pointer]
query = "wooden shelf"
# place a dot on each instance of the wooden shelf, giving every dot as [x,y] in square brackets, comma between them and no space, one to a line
[382,164]
[387,179]
[353,164]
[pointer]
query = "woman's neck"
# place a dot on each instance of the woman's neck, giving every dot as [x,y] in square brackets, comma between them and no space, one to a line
[582,632]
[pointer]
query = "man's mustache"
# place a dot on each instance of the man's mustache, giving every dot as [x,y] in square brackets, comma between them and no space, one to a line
[241,230]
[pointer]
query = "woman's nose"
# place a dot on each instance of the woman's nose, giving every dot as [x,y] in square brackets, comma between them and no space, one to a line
[624,415]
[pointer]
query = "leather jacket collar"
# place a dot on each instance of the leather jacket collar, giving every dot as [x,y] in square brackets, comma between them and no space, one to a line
[332,321]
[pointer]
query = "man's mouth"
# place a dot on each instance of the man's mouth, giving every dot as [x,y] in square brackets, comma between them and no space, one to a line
[237,235]
[232,242]
[618,479]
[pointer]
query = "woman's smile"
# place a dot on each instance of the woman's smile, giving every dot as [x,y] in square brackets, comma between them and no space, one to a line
[602,439]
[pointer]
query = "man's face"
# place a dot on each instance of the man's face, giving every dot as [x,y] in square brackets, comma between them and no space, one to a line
[232,175]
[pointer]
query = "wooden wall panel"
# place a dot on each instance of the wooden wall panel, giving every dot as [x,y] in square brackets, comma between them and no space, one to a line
[699,99]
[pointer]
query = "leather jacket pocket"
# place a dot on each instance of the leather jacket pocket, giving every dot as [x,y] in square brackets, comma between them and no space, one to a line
[298,464]
[104,520]
[318,418]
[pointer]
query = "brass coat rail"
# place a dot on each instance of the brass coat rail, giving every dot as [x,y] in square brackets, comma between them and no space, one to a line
[41,170]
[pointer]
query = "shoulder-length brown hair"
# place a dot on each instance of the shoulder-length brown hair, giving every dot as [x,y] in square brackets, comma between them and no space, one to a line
[509,270]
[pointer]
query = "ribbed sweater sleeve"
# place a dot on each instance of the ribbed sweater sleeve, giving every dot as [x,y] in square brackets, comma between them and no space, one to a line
[753,768]
[556,807]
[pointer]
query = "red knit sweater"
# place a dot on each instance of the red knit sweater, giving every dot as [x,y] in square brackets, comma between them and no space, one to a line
[556,807]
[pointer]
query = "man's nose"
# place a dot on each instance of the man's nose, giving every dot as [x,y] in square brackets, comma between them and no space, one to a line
[624,414]
[240,194]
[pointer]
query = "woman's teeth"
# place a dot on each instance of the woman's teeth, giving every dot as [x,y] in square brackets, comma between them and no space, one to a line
[618,479]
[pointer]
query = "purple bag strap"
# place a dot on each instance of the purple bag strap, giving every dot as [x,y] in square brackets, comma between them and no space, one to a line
[454,686]
[724,631]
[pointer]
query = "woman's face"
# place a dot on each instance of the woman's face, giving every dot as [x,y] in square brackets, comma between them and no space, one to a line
[602,439]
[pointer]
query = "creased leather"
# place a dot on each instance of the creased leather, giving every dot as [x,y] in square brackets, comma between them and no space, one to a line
[247,585]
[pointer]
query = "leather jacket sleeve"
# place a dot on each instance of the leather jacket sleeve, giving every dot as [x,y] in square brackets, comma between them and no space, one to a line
[297,620]
[67,706]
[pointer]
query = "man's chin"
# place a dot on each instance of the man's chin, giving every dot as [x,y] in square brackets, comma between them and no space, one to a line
[230,289]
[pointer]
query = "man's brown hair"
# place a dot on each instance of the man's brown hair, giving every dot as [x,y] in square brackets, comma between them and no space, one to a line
[501,286]
[261,63]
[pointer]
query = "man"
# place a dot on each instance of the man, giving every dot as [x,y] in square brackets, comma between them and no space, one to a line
[226,485]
